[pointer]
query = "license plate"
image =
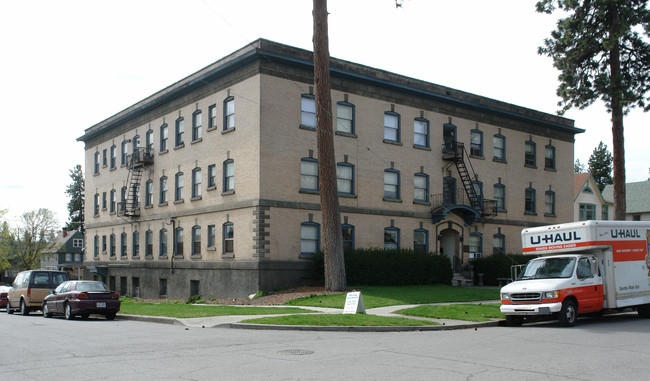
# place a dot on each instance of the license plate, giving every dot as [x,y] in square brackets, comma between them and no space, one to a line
[101,304]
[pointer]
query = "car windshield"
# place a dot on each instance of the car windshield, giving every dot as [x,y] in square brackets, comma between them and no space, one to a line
[91,286]
[546,268]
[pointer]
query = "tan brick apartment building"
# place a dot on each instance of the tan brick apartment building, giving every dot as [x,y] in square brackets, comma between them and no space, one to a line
[210,186]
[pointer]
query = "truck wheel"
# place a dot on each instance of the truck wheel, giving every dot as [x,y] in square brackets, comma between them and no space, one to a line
[569,314]
[644,311]
[514,320]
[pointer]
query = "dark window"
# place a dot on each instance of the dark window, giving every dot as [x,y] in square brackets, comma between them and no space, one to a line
[163,243]
[529,201]
[196,183]
[421,240]
[476,143]
[391,238]
[500,196]
[449,190]
[178,192]
[178,234]
[148,242]
[212,115]
[228,237]
[228,175]
[136,244]
[180,132]
[164,138]
[549,157]
[348,237]
[196,240]
[529,154]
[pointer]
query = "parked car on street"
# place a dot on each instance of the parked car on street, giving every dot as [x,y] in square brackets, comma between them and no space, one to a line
[31,287]
[81,297]
[3,296]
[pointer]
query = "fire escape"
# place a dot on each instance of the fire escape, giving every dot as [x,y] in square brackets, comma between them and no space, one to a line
[140,160]
[470,203]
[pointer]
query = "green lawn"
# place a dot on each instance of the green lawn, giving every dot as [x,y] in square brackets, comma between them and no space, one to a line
[339,320]
[469,312]
[381,296]
[193,311]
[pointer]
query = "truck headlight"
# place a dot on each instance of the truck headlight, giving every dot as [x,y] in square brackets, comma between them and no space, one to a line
[505,296]
[551,295]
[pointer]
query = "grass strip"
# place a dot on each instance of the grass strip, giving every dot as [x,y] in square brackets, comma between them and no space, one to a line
[382,296]
[194,311]
[339,320]
[468,312]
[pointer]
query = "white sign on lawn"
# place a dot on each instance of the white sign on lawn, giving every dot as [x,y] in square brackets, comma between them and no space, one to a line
[354,303]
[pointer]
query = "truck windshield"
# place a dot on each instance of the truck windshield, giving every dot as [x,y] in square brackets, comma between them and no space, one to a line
[546,268]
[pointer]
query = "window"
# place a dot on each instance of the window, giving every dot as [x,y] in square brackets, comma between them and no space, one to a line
[344,118]
[421,187]
[104,158]
[212,115]
[196,183]
[421,132]
[476,143]
[163,190]
[178,188]
[391,238]
[605,212]
[96,246]
[113,156]
[212,176]
[229,113]
[197,121]
[587,212]
[228,238]
[498,244]
[123,194]
[136,143]
[148,243]
[178,239]
[112,245]
[77,242]
[421,240]
[391,126]
[309,174]
[148,190]
[96,206]
[164,138]
[180,132]
[162,237]
[96,163]
[475,244]
[136,244]
[345,178]
[103,244]
[549,203]
[549,157]
[391,184]
[529,154]
[308,111]
[499,148]
[309,239]
[123,244]
[212,233]
[125,152]
[112,201]
[449,190]
[196,240]
[104,201]
[162,288]
[500,196]
[229,176]
[348,236]
[149,141]
[529,201]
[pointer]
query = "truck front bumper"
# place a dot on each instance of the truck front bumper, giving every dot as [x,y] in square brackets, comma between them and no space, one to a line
[531,309]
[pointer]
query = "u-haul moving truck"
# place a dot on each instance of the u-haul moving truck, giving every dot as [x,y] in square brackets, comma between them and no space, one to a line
[585,267]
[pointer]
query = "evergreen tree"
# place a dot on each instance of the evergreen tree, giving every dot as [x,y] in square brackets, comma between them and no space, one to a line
[600,166]
[602,51]
[76,190]
[578,167]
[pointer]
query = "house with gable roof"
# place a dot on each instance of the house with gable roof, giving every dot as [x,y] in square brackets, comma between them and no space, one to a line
[588,201]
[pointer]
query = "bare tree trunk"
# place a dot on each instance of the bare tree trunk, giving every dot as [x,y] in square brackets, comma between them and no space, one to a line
[332,237]
[617,119]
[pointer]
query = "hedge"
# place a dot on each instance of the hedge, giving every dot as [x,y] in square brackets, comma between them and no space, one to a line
[497,266]
[391,267]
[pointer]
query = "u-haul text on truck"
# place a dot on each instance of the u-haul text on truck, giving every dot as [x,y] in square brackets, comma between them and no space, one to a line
[584,267]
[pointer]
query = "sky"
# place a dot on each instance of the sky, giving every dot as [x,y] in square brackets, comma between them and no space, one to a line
[67,65]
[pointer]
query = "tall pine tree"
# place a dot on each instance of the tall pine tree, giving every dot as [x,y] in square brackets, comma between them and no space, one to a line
[602,51]
[76,190]
[600,166]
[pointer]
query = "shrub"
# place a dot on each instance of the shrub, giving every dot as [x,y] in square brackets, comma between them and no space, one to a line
[497,266]
[195,299]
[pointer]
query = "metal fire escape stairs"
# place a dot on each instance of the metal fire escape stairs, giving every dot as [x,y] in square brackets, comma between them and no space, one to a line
[140,160]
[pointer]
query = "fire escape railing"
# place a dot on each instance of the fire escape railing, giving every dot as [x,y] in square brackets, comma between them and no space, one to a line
[138,161]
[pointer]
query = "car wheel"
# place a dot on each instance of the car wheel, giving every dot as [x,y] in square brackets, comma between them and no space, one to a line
[514,320]
[46,311]
[67,311]
[110,316]
[9,310]
[568,314]
[24,310]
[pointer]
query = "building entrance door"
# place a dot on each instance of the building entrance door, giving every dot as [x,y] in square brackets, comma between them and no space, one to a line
[450,246]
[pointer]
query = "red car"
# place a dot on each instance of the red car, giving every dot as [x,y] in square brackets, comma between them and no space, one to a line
[81,297]
[3,296]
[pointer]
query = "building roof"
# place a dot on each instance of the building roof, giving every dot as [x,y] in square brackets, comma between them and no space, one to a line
[59,243]
[579,180]
[637,196]
[272,54]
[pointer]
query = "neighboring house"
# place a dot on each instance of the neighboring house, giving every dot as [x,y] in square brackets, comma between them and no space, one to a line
[637,200]
[211,187]
[65,253]
[588,202]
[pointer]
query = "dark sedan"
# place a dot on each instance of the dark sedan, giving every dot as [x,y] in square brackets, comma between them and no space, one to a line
[81,297]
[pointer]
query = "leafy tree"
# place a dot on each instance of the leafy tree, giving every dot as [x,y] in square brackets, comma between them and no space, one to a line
[600,166]
[75,190]
[578,167]
[6,243]
[332,235]
[35,233]
[602,51]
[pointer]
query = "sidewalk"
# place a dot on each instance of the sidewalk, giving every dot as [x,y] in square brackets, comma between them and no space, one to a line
[235,321]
